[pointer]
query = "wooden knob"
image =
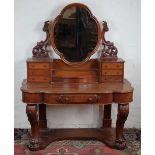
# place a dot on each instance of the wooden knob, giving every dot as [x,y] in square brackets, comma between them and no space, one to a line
[66,99]
[90,99]
[117,78]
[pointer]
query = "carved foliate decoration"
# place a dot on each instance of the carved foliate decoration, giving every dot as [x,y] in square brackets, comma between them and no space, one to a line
[123,111]
[40,50]
[31,111]
[109,49]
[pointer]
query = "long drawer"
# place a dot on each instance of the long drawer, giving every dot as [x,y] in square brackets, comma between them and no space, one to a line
[77,99]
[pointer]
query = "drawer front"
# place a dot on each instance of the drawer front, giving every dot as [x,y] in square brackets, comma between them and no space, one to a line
[38,72]
[32,97]
[112,65]
[38,65]
[112,72]
[70,99]
[108,78]
[38,79]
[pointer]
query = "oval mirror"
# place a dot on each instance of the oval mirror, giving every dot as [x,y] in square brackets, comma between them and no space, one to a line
[75,33]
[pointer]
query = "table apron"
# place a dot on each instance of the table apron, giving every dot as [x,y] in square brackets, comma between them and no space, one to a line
[106,98]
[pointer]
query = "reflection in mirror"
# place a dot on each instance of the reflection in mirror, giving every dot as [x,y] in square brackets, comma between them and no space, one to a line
[75,34]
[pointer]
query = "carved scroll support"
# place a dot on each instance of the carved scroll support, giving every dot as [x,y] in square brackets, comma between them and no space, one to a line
[40,50]
[31,111]
[123,111]
[109,51]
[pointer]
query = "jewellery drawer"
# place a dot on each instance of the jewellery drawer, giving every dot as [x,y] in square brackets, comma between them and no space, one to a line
[109,78]
[112,65]
[38,79]
[42,65]
[38,72]
[70,99]
[112,72]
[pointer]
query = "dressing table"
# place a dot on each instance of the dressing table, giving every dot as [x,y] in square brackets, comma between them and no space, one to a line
[75,35]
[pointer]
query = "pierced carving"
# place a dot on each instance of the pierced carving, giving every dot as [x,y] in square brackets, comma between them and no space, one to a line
[109,49]
[40,50]
[123,111]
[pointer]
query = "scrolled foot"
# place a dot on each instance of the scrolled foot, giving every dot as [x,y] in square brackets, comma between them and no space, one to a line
[120,144]
[34,145]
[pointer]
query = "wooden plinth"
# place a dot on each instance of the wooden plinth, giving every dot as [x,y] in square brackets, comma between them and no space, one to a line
[106,135]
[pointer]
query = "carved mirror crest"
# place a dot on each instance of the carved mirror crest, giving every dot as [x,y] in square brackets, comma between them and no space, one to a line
[75,34]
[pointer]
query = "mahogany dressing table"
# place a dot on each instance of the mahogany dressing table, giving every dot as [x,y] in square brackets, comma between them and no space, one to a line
[75,35]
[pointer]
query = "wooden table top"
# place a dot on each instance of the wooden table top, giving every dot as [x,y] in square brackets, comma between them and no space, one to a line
[77,88]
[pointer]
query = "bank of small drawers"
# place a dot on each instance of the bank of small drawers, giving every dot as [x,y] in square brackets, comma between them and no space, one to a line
[38,71]
[112,72]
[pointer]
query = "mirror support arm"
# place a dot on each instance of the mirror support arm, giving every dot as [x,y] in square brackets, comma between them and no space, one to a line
[40,50]
[109,50]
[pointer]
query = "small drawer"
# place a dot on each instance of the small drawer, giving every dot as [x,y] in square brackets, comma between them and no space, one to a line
[38,72]
[38,79]
[112,72]
[112,65]
[108,78]
[70,99]
[38,65]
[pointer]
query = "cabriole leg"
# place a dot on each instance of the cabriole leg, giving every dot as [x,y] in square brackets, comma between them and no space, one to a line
[123,111]
[31,111]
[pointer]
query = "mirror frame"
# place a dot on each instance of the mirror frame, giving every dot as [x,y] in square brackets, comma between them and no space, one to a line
[52,39]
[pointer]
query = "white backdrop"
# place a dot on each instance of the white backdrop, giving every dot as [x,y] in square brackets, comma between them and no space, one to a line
[123,18]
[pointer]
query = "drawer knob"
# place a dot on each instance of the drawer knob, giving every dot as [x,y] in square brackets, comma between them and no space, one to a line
[91,100]
[117,78]
[66,99]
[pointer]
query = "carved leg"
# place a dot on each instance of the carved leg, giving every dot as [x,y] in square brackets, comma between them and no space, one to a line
[42,116]
[123,110]
[107,116]
[31,111]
